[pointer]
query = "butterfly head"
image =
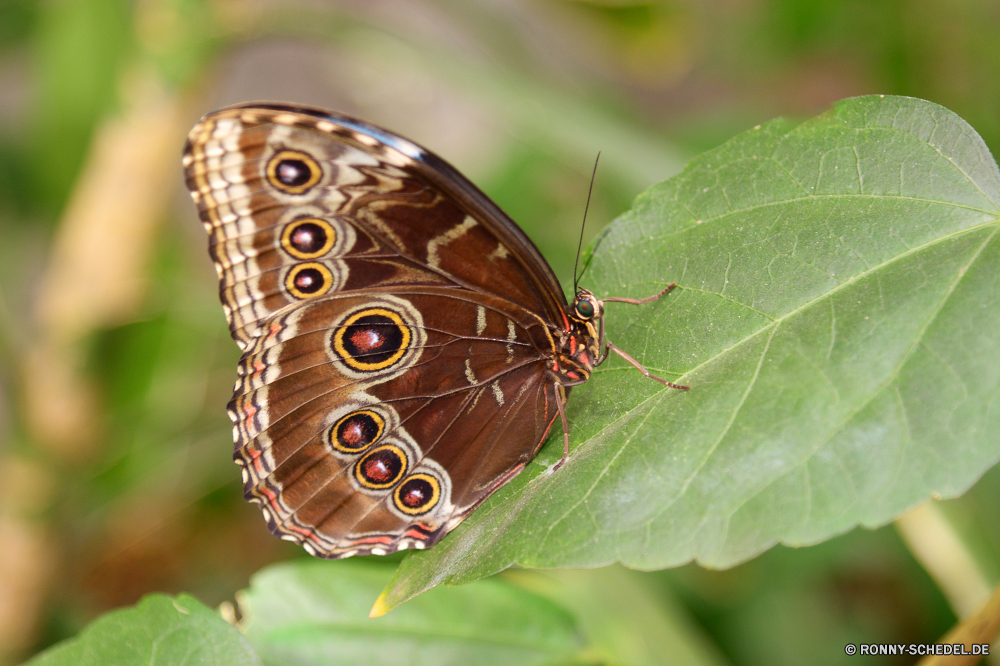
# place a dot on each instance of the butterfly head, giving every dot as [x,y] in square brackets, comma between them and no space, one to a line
[581,343]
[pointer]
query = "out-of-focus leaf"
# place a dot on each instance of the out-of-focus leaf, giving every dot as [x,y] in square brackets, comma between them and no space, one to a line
[158,630]
[311,612]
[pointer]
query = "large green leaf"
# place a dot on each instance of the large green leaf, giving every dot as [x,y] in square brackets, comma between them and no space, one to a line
[311,612]
[158,630]
[838,319]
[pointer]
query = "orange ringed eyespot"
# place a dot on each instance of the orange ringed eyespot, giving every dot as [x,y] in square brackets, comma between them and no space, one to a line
[293,172]
[308,238]
[308,280]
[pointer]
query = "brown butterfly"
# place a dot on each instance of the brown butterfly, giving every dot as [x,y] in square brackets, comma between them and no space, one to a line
[406,348]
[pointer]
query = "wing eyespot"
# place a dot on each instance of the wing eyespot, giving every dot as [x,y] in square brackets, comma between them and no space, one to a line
[308,280]
[357,431]
[308,238]
[293,171]
[381,468]
[417,495]
[372,339]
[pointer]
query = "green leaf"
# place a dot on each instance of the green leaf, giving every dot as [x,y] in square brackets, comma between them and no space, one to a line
[627,616]
[158,630]
[838,319]
[313,612]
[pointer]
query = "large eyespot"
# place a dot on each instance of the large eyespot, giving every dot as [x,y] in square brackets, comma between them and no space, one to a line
[357,431]
[372,339]
[417,495]
[308,238]
[293,171]
[308,280]
[381,468]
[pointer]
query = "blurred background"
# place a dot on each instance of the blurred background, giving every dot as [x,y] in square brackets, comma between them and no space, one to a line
[115,361]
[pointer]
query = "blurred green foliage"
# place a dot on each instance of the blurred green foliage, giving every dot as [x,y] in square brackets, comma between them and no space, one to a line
[519,95]
[79,52]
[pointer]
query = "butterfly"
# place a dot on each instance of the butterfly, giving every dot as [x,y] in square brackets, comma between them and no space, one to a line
[406,348]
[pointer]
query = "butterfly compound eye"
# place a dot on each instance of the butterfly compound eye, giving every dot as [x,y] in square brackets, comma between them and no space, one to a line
[585,309]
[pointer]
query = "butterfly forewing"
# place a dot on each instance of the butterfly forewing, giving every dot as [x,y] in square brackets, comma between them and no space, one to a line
[397,327]
[389,217]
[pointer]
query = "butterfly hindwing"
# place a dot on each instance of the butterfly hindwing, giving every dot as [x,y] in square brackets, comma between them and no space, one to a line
[347,399]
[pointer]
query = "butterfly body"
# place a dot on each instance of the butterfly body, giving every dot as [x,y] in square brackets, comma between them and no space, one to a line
[406,348]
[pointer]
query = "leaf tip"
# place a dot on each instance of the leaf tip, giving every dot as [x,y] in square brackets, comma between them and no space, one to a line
[381,606]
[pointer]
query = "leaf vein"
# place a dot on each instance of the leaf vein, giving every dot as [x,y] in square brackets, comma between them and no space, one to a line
[890,378]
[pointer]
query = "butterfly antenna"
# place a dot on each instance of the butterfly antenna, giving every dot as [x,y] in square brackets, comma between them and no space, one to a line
[597,244]
[579,246]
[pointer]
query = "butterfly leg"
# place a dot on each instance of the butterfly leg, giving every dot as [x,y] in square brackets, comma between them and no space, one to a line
[561,406]
[601,345]
[638,366]
[640,301]
[633,301]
